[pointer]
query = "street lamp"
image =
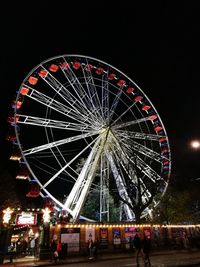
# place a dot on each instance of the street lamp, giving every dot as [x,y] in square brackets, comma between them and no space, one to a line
[195,144]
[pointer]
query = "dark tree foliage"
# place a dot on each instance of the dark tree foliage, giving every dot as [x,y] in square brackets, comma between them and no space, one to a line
[9,196]
[175,207]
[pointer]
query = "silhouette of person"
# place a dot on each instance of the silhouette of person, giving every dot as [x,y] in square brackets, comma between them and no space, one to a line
[138,246]
[146,250]
[90,248]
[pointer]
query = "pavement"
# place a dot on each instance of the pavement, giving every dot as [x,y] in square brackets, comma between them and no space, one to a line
[162,258]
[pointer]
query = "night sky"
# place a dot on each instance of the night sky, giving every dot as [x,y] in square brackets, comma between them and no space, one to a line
[155,44]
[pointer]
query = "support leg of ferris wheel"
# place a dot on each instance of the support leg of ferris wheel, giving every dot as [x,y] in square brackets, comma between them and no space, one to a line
[121,189]
[79,192]
[104,191]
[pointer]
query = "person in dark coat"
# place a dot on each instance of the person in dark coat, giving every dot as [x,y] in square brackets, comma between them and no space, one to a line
[138,246]
[90,244]
[54,252]
[146,250]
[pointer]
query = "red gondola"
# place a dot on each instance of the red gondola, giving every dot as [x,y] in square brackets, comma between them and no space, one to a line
[53,68]
[16,154]
[32,80]
[138,98]
[24,90]
[111,76]
[99,71]
[76,65]
[158,128]
[43,73]
[146,107]
[23,173]
[65,65]
[130,90]
[17,104]
[11,135]
[89,67]
[13,119]
[121,83]
[153,117]
[34,190]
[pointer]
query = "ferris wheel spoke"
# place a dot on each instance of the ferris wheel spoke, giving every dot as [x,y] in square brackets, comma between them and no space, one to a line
[142,166]
[43,122]
[69,163]
[129,123]
[66,173]
[79,90]
[116,148]
[65,94]
[138,135]
[105,99]
[78,106]
[132,176]
[114,105]
[130,173]
[123,113]
[140,149]
[56,143]
[54,104]
[125,158]
[146,169]
[92,91]
[52,170]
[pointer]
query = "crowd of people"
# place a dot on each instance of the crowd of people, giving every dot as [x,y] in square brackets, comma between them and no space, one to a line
[23,247]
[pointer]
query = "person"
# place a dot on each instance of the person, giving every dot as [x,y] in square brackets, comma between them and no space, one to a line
[18,247]
[90,248]
[12,252]
[185,240]
[54,253]
[24,246]
[64,249]
[138,246]
[32,247]
[146,250]
[95,247]
[59,250]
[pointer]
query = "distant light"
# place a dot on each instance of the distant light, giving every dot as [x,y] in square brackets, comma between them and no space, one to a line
[46,215]
[195,144]
[7,215]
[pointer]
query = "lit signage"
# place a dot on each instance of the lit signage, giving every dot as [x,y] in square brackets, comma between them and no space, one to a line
[26,219]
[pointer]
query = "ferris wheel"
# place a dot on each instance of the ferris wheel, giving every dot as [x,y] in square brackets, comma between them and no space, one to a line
[80,121]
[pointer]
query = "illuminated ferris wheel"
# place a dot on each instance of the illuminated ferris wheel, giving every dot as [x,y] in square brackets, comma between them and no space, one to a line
[80,121]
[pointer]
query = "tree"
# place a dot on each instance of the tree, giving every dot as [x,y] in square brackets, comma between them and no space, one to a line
[175,207]
[92,207]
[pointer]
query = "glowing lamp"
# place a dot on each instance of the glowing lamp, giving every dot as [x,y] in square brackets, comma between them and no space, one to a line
[195,144]
[46,215]
[7,215]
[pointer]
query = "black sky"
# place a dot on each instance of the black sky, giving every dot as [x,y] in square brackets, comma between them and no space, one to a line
[154,42]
